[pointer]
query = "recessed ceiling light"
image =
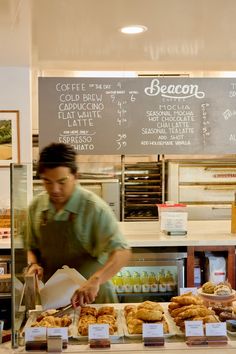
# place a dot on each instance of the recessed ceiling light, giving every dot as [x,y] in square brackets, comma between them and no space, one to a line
[133,29]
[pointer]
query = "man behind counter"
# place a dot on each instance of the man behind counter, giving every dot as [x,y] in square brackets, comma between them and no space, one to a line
[69,225]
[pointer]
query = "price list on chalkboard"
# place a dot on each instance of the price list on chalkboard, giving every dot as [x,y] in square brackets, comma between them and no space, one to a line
[139,115]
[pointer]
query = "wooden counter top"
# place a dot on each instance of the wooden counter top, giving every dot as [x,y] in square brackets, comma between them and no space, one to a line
[200,233]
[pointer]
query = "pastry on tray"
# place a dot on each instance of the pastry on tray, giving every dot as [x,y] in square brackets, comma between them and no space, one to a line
[222,290]
[145,312]
[52,321]
[208,287]
[91,315]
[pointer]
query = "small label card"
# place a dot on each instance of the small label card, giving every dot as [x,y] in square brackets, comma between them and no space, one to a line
[151,330]
[194,329]
[62,332]
[35,334]
[98,331]
[174,221]
[188,290]
[216,329]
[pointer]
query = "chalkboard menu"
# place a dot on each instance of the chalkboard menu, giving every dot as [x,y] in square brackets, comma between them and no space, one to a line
[139,115]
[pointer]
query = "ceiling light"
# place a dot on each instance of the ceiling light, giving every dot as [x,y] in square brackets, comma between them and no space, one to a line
[133,29]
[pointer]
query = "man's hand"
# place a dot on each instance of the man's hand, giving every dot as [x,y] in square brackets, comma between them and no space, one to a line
[34,269]
[87,293]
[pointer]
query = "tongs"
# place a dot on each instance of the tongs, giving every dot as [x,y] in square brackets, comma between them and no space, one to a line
[63,311]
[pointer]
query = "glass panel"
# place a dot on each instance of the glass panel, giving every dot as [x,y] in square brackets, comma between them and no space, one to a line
[20,177]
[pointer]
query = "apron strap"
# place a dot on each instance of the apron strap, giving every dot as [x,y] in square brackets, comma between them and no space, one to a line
[44,218]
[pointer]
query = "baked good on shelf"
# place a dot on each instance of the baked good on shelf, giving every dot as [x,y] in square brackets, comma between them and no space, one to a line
[88,310]
[226,283]
[187,299]
[128,309]
[110,320]
[90,315]
[177,311]
[52,321]
[222,290]
[135,326]
[224,316]
[206,319]
[150,305]
[84,322]
[221,308]
[149,314]
[208,287]
[106,310]
[200,311]
[43,314]
[173,305]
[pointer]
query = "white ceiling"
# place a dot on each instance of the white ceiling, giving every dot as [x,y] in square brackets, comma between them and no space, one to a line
[183,35]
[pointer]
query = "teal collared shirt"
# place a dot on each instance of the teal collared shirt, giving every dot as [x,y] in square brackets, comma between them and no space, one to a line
[95,224]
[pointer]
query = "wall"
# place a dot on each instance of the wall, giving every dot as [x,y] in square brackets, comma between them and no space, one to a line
[15,94]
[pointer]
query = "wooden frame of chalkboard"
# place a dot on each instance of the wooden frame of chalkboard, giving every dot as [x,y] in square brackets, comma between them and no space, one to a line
[139,115]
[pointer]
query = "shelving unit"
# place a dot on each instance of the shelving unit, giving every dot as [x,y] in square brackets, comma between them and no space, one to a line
[142,189]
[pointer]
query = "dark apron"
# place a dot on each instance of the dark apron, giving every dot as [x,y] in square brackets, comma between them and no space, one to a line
[59,245]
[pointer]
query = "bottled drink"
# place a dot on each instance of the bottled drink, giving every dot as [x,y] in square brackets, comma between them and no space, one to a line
[137,287]
[153,282]
[118,282]
[128,286]
[145,282]
[162,281]
[170,282]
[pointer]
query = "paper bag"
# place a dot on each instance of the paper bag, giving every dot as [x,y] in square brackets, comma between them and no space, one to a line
[58,290]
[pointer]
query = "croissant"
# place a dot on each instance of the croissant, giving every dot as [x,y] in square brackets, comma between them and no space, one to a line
[173,305]
[150,305]
[201,311]
[135,326]
[107,310]
[177,311]
[206,319]
[88,310]
[149,315]
[187,300]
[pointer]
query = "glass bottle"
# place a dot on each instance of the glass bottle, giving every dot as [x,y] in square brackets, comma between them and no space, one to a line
[119,283]
[145,282]
[137,287]
[170,281]
[153,282]
[162,281]
[128,282]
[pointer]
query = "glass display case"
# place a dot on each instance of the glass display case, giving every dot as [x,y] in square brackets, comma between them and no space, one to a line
[153,274]
[20,192]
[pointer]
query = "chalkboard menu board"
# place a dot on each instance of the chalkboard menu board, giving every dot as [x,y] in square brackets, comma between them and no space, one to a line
[139,115]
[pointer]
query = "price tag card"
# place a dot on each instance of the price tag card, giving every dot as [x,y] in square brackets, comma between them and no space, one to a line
[98,331]
[174,221]
[188,290]
[194,328]
[216,329]
[35,334]
[152,330]
[62,332]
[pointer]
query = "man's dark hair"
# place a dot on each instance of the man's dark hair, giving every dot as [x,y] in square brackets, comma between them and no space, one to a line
[57,155]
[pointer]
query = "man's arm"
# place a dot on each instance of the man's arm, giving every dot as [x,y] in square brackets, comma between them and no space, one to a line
[88,292]
[33,266]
